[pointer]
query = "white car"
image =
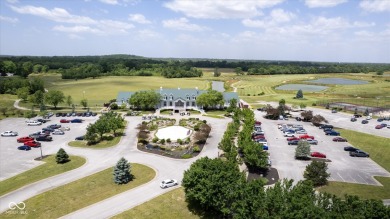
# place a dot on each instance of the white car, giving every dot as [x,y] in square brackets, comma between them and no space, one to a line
[302,131]
[288,134]
[58,132]
[64,129]
[168,183]
[9,133]
[34,123]
[312,141]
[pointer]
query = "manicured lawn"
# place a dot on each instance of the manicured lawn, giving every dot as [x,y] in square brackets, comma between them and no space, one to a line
[48,169]
[216,112]
[7,101]
[81,193]
[169,205]
[379,150]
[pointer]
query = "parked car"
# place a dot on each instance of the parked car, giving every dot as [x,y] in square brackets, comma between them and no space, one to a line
[340,139]
[312,141]
[76,121]
[334,111]
[265,147]
[306,137]
[32,143]
[94,114]
[293,138]
[302,131]
[349,148]
[44,138]
[384,125]
[258,137]
[34,123]
[64,128]
[326,126]
[42,120]
[364,121]
[64,121]
[318,154]
[9,134]
[357,115]
[298,118]
[168,183]
[34,135]
[378,127]
[368,117]
[258,132]
[332,132]
[358,153]
[47,130]
[353,119]
[58,114]
[289,134]
[24,139]
[54,126]
[294,142]
[58,132]
[80,138]
[24,148]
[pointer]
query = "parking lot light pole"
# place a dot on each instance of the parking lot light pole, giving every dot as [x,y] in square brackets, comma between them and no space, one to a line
[41,152]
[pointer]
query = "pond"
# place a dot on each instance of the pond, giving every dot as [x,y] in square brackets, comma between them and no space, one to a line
[342,81]
[303,87]
[218,86]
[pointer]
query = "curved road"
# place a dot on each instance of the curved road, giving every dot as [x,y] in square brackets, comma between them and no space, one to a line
[98,160]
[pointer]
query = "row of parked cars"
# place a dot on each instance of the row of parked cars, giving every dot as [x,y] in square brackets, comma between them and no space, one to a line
[83,114]
[296,133]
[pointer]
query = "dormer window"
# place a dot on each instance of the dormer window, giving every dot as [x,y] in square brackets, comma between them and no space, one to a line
[193,97]
[171,97]
[165,97]
[188,97]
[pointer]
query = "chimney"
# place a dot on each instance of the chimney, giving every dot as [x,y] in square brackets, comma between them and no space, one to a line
[160,90]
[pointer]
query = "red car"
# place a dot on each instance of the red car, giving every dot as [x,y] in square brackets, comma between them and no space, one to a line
[293,138]
[379,127]
[32,143]
[258,136]
[24,139]
[306,136]
[64,121]
[340,139]
[318,154]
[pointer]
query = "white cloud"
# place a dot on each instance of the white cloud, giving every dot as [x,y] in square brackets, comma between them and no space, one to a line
[139,18]
[148,34]
[75,37]
[217,9]
[8,19]
[375,5]
[76,29]
[182,24]
[56,14]
[363,24]
[12,1]
[323,3]
[111,24]
[277,16]
[110,2]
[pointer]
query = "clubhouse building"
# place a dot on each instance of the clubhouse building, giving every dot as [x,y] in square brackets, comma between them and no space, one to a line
[178,99]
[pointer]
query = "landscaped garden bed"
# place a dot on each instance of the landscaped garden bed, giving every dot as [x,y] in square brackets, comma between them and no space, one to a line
[161,136]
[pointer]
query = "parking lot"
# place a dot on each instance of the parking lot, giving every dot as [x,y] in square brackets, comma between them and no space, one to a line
[342,167]
[14,161]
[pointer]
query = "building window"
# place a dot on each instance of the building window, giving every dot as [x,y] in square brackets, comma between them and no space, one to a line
[171,97]
[193,97]
[170,103]
[187,103]
[165,97]
[165,103]
[193,103]
[188,97]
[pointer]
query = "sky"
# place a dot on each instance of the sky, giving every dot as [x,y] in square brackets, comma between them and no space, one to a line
[296,30]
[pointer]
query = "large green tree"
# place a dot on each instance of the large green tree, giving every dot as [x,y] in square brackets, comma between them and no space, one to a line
[22,93]
[302,151]
[37,98]
[9,67]
[316,172]
[122,172]
[211,98]
[62,156]
[145,99]
[212,184]
[36,84]
[54,97]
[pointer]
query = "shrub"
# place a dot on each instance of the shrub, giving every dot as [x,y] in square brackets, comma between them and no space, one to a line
[248,94]
[186,156]
[122,172]
[314,104]
[114,106]
[162,141]
[179,141]
[169,140]
[62,156]
[316,172]
[155,139]
[205,121]
[196,148]
[143,141]
[187,140]
[197,127]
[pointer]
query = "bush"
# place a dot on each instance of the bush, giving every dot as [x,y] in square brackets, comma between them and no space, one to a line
[169,140]
[205,121]
[196,148]
[155,139]
[186,156]
[314,104]
[187,140]
[248,94]
[62,156]
[114,106]
[197,127]
[179,141]
[143,141]
[162,141]
[316,172]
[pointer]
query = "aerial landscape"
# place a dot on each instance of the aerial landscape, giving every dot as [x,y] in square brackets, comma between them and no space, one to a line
[195,109]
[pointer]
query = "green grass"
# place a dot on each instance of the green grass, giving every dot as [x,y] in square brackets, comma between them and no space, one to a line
[169,205]
[7,101]
[379,150]
[81,193]
[48,169]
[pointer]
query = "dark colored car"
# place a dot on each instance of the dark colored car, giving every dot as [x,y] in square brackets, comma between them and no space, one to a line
[41,120]
[357,115]
[353,119]
[35,134]
[384,125]
[32,143]
[94,114]
[294,142]
[58,114]
[80,138]
[298,118]
[265,147]
[54,126]
[326,126]
[64,121]
[340,139]
[358,153]
[349,148]
[24,139]
[24,148]
[378,127]
[364,121]
[44,138]
[333,133]
[76,121]
[47,129]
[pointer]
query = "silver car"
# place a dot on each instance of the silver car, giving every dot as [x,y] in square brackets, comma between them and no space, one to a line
[168,183]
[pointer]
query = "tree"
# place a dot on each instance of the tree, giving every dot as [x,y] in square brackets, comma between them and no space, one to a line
[62,156]
[356,111]
[22,93]
[69,100]
[254,155]
[238,70]
[366,112]
[37,98]
[54,97]
[282,106]
[217,73]
[3,110]
[211,98]
[299,94]
[316,172]
[122,174]
[36,84]
[318,119]
[302,106]
[302,151]
[212,184]
[379,72]
[145,99]
[307,115]
[232,105]
[9,67]
[84,103]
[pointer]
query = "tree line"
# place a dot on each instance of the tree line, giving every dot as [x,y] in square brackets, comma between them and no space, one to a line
[78,67]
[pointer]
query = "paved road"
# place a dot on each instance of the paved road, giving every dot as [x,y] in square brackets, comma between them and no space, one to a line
[98,160]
